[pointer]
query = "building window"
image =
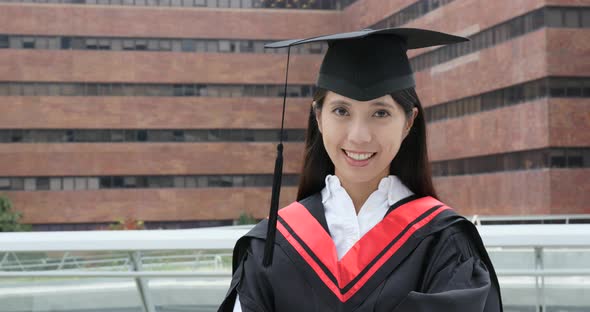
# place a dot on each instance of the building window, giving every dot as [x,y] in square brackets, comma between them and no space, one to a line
[585,18]
[224,46]
[165,45]
[4,43]
[558,87]
[572,18]
[5,184]
[55,184]
[29,184]
[42,184]
[554,18]
[28,43]
[188,45]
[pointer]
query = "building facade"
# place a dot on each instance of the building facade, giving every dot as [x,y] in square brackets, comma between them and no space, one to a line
[168,111]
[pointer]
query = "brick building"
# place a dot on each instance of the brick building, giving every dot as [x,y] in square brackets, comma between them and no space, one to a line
[168,111]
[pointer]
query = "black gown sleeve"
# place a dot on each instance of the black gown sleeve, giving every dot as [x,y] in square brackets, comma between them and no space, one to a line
[457,278]
[251,281]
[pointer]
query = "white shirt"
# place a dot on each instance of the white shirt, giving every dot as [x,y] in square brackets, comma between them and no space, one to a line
[345,225]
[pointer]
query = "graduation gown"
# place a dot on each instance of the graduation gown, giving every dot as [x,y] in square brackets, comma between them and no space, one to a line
[421,257]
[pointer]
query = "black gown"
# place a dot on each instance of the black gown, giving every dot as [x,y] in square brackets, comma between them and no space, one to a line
[421,257]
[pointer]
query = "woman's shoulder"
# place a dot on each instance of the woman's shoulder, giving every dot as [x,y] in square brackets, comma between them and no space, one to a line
[461,238]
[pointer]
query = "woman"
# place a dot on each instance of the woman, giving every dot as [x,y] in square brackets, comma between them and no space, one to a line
[367,232]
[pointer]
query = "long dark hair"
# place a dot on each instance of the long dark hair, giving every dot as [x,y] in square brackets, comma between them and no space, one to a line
[410,164]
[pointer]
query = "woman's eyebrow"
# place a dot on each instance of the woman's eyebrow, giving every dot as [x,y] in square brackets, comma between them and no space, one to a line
[340,102]
[383,104]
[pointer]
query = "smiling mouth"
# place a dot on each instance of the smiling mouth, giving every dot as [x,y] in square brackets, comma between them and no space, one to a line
[360,156]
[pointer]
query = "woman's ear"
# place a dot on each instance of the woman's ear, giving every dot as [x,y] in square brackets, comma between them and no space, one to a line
[410,121]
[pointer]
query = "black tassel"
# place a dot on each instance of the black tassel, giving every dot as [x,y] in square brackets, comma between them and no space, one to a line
[274,208]
[276,183]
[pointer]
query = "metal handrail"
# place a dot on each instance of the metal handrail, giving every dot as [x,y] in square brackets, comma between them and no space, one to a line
[227,274]
[497,238]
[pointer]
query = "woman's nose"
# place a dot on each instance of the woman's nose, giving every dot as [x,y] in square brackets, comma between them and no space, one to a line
[359,132]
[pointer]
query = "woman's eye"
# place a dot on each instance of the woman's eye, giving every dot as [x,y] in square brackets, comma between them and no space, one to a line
[340,111]
[382,113]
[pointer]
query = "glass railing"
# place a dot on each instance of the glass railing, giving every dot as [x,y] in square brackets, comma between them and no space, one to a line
[540,267]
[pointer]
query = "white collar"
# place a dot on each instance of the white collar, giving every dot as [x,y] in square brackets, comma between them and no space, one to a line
[390,187]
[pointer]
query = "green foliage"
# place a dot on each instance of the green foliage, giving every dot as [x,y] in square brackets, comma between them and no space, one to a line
[10,220]
[127,224]
[246,218]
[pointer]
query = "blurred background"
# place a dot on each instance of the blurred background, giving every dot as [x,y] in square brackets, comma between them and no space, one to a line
[164,115]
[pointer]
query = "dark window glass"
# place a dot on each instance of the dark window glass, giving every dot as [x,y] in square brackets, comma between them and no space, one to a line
[517,27]
[195,135]
[554,17]
[160,181]
[585,18]
[105,182]
[141,181]
[572,18]
[17,184]
[5,184]
[178,90]
[246,46]
[538,19]
[575,158]
[557,89]
[227,181]
[160,135]
[28,43]
[118,182]
[188,45]
[179,182]
[17,136]
[290,180]
[4,42]
[69,136]
[178,135]
[573,88]
[128,44]
[141,44]
[213,135]
[557,159]
[142,135]
[5,136]
[125,182]
[153,45]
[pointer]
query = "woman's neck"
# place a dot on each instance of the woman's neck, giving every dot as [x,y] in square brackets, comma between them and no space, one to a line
[360,191]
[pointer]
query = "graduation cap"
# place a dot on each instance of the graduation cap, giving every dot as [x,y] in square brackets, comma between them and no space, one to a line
[362,65]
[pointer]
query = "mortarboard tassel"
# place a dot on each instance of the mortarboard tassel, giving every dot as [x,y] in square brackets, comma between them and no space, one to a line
[276,184]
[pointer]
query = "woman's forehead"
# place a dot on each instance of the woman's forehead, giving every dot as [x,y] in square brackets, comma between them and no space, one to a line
[333,97]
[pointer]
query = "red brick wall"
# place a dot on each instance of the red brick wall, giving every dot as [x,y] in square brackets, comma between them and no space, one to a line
[145,204]
[155,67]
[519,60]
[137,21]
[89,159]
[569,191]
[513,193]
[39,112]
[513,128]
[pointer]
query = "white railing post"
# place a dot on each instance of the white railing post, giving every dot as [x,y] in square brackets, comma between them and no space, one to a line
[141,283]
[539,289]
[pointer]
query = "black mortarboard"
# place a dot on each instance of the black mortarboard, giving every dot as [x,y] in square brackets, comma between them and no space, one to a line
[362,65]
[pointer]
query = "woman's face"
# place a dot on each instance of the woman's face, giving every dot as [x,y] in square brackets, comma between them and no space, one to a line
[362,137]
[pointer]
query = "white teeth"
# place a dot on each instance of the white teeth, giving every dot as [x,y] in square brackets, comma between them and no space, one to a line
[359,156]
